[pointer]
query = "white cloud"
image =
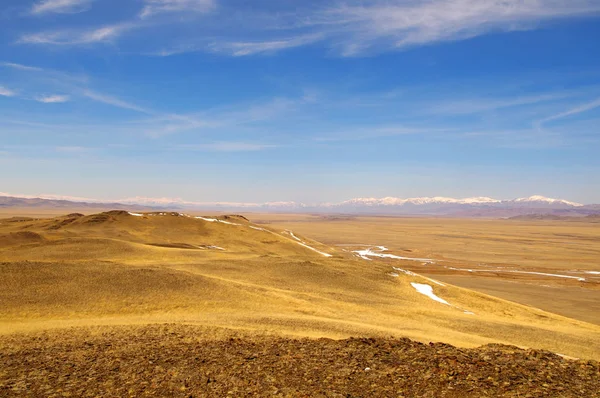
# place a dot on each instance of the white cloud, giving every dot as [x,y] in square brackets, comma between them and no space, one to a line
[353,27]
[114,101]
[52,99]
[72,149]
[154,7]
[573,111]
[227,146]
[21,67]
[68,37]
[6,92]
[60,6]
[366,133]
[402,23]
[238,49]
[464,107]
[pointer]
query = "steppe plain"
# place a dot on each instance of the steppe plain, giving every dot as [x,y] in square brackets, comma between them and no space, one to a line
[89,300]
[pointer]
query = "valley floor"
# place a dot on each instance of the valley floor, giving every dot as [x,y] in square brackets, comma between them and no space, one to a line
[551,265]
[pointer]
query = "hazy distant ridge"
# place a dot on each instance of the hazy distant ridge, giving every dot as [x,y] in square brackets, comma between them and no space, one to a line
[466,207]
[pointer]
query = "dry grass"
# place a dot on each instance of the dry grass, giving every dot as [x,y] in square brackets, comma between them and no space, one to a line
[531,244]
[108,270]
[557,247]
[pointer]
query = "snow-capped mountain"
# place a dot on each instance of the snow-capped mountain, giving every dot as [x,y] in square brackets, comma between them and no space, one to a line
[450,206]
[443,206]
[390,201]
[541,199]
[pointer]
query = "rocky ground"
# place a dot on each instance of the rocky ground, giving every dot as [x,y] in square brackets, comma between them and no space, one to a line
[188,361]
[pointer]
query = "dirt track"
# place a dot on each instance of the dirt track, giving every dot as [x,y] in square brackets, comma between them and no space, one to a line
[187,361]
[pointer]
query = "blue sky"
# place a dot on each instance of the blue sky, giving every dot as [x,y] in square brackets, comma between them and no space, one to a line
[310,101]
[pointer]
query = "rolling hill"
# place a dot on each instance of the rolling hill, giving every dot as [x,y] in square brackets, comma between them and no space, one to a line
[165,303]
[124,267]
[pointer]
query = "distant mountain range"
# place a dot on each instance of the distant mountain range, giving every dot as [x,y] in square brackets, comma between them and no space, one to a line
[437,206]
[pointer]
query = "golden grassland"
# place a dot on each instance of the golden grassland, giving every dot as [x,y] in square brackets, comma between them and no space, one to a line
[119,269]
[568,247]
[531,244]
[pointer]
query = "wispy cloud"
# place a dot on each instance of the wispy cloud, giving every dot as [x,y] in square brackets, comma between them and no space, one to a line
[114,101]
[518,139]
[73,37]
[238,49]
[365,133]
[227,146]
[352,27]
[5,92]
[48,74]
[60,6]
[464,107]
[571,112]
[73,149]
[402,23]
[52,99]
[21,67]
[154,7]
[238,115]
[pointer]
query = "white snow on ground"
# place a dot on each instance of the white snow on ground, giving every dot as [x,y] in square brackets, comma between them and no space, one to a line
[420,276]
[315,250]
[216,220]
[294,236]
[227,222]
[428,291]
[592,272]
[215,247]
[136,214]
[258,228]
[519,272]
[301,243]
[207,219]
[377,251]
[404,271]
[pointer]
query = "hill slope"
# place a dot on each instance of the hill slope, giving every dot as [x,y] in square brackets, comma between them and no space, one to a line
[120,268]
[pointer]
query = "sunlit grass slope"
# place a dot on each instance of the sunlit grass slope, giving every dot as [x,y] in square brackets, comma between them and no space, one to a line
[121,268]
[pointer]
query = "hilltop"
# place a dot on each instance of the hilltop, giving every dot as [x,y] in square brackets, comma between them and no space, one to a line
[189,361]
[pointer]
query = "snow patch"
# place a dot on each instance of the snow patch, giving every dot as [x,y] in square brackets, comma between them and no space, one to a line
[294,236]
[135,214]
[428,291]
[407,272]
[377,251]
[258,228]
[302,243]
[216,220]
[207,219]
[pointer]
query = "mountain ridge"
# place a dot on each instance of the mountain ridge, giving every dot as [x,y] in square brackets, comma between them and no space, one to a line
[480,206]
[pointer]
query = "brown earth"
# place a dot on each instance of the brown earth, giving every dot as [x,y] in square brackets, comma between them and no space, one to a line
[189,361]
